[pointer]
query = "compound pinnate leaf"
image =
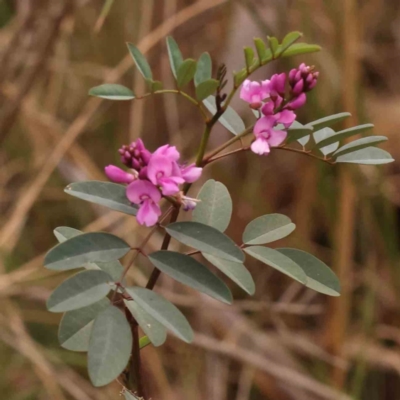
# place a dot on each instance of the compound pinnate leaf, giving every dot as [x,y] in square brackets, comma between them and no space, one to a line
[235,271]
[76,326]
[79,291]
[140,61]
[87,247]
[206,239]
[338,136]
[277,260]
[215,206]
[319,276]
[230,119]
[107,194]
[267,229]
[323,134]
[112,91]
[368,156]
[185,72]
[190,272]
[175,55]
[113,268]
[110,346]
[359,144]
[328,121]
[206,88]
[300,48]
[155,331]
[163,311]
[204,69]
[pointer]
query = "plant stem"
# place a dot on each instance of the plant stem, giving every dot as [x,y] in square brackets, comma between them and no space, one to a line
[227,144]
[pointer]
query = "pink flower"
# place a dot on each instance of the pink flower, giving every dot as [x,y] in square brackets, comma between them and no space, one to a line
[266,135]
[297,102]
[118,175]
[191,173]
[277,84]
[135,155]
[254,92]
[164,172]
[147,196]
[168,151]
[302,79]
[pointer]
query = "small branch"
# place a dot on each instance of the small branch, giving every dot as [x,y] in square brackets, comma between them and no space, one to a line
[306,152]
[229,153]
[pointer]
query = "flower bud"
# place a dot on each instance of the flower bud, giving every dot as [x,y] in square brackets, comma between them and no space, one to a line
[302,79]
[118,175]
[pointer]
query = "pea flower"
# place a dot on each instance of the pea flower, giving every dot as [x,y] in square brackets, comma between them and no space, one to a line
[163,171]
[147,196]
[302,79]
[254,92]
[152,176]
[118,175]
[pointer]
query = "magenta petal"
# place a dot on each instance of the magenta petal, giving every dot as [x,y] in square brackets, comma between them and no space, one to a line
[168,186]
[276,138]
[286,117]
[298,102]
[118,175]
[191,173]
[260,146]
[159,166]
[268,108]
[139,188]
[148,213]
[264,124]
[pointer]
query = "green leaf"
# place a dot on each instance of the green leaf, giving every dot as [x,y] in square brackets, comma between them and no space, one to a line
[186,72]
[175,55]
[300,48]
[267,229]
[88,247]
[229,119]
[206,239]
[328,121]
[111,195]
[344,134]
[239,77]
[63,233]
[235,271]
[297,131]
[140,61]
[319,276]
[80,290]
[155,331]
[249,57]
[112,91]
[359,144]
[277,260]
[163,311]
[289,39]
[215,206]
[76,326]
[323,134]
[206,88]
[368,156]
[263,53]
[190,272]
[110,346]
[203,70]
[154,85]
[273,44]
[113,268]
[130,396]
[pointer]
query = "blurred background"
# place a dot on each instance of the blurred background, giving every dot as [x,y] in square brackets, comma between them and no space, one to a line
[284,343]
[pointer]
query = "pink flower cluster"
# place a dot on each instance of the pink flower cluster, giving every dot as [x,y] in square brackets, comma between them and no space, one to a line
[151,176]
[277,106]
